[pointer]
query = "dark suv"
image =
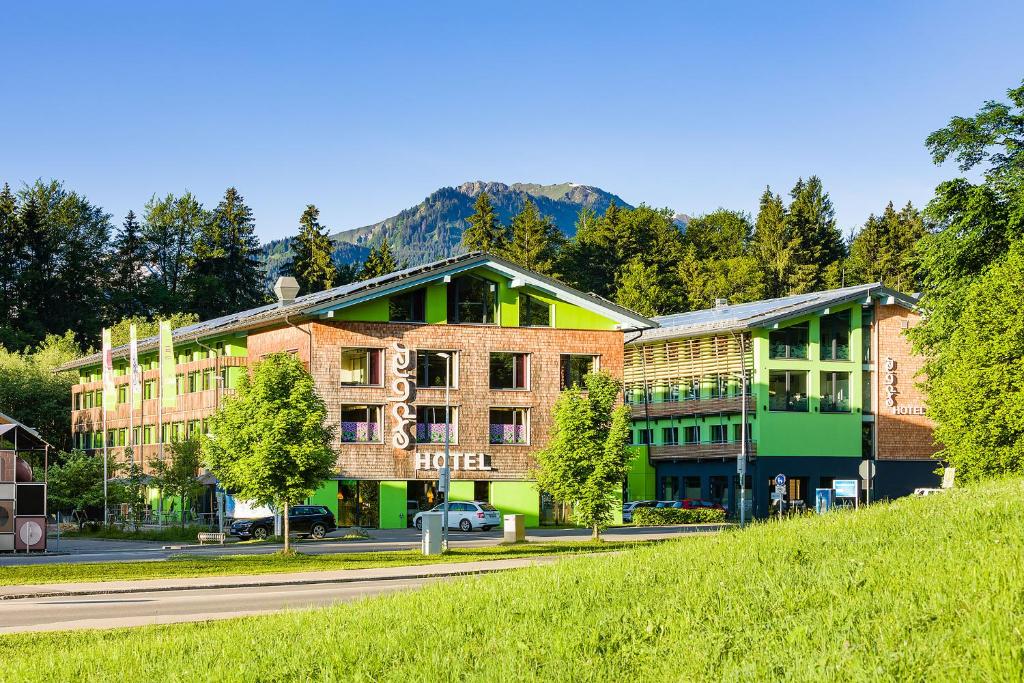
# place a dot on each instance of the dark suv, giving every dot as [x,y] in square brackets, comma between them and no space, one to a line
[305,520]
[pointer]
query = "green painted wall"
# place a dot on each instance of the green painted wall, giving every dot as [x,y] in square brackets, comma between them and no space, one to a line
[393,504]
[517,498]
[375,310]
[461,490]
[437,304]
[571,317]
[640,480]
[327,495]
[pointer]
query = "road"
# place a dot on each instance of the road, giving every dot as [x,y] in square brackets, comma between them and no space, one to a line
[99,550]
[170,606]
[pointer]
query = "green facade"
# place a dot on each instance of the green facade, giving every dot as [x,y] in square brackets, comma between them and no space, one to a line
[393,505]
[517,498]
[326,495]
[640,480]
[461,490]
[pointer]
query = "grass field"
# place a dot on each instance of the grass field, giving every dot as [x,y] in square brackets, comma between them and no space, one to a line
[186,565]
[924,589]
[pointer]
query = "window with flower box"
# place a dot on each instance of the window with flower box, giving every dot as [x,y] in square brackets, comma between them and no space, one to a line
[430,424]
[509,426]
[361,424]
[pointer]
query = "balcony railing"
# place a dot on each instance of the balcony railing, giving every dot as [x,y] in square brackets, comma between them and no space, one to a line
[703,406]
[700,451]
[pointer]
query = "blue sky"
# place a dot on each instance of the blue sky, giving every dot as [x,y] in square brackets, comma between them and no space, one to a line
[364,109]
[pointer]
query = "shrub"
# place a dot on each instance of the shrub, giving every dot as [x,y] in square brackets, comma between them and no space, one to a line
[664,516]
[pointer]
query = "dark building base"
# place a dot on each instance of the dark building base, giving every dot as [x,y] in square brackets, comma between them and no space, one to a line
[717,480]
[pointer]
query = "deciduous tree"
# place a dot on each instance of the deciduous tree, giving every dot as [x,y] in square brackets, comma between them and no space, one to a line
[176,476]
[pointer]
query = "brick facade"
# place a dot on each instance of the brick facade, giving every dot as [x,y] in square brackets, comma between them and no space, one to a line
[899,436]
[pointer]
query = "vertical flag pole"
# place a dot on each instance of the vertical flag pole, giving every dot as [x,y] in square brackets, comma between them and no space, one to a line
[108,398]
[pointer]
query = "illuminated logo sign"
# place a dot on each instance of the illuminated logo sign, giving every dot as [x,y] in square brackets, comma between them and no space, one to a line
[403,389]
[479,462]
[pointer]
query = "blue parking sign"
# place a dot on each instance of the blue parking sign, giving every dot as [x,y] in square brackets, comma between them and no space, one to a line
[780,479]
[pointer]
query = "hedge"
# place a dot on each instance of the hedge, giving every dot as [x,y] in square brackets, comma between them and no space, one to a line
[663,516]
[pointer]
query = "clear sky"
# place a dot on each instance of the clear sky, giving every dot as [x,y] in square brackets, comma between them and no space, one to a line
[366,108]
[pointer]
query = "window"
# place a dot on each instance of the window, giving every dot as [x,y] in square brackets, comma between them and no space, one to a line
[509,426]
[533,312]
[194,381]
[430,424]
[409,307]
[867,318]
[737,432]
[360,424]
[179,384]
[719,433]
[209,379]
[670,436]
[787,390]
[509,370]
[574,368]
[360,367]
[89,399]
[430,368]
[471,300]
[122,393]
[692,390]
[789,342]
[149,389]
[719,386]
[643,437]
[835,336]
[867,440]
[865,392]
[78,401]
[691,434]
[691,487]
[669,488]
[835,392]
[147,434]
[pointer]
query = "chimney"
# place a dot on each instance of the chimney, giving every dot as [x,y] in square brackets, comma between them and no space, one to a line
[721,303]
[286,289]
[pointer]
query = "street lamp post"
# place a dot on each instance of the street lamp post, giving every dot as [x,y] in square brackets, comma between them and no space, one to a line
[444,476]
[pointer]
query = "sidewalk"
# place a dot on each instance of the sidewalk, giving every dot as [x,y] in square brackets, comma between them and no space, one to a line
[283,579]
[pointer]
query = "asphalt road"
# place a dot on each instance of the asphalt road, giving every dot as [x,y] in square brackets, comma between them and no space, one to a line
[98,550]
[171,606]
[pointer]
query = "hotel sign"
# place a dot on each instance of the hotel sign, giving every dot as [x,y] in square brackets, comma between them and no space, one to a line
[477,462]
[403,390]
[892,391]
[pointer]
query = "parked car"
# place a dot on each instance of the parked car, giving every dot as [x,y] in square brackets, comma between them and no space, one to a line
[466,515]
[629,507]
[665,503]
[694,504]
[305,520]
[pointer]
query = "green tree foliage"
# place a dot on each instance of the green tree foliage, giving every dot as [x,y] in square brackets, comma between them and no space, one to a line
[738,279]
[75,483]
[120,332]
[380,261]
[819,242]
[485,231]
[131,280]
[970,266]
[31,392]
[640,288]
[586,460]
[312,265]
[721,234]
[883,250]
[774,246]
[176,476]
[535,241]
[976,386]
[224,273]
[170,228]
[133,489]
[269,443]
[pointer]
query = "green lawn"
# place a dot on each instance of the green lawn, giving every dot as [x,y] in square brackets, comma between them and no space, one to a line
[925,589]
[200,565]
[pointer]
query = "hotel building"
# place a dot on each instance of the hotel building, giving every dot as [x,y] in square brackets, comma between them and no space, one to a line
[830,382]
[382,351]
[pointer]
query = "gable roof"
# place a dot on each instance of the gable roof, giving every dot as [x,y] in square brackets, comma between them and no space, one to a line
[11,428]
[737,317]
[318,303]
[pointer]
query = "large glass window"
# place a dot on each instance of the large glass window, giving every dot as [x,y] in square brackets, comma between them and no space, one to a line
[691,434]
[409,307]
[431,366]
[361,367]
[509,370]
[360,424]
[719,433]
[643,437]
[430,424]
[471,300]
[670,436]
[533,312]
[787,390]
[835,392]
[835,336]
[865,392]
[867,319]
[509,426]
[574,368]
[788,342]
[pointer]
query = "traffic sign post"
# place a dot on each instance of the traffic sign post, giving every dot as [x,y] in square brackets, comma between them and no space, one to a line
[780,491]
[867,473]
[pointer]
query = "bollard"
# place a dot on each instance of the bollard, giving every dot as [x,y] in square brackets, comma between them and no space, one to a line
[515,528]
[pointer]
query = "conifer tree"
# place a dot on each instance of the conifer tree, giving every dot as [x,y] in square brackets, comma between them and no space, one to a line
[312,266]
[883,250]
[819,241]
[380,261]
[10,254]
[224,274]
[485,232]
[130,292]
[536,240]
[640,289]
[773,245]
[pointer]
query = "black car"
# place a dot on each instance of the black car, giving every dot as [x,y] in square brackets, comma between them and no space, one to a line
[305,520]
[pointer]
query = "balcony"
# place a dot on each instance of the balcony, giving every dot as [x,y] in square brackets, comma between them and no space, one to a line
[700,451]
[703,406]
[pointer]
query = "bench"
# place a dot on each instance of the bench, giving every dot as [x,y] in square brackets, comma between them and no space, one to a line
[211,537]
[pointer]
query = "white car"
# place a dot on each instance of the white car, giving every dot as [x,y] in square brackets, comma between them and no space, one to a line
[465,515]
[630,506]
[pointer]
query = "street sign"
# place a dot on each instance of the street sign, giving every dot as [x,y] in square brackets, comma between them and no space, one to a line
[866,469]
[780,479]
[845,488]
[444,476]
[780,490]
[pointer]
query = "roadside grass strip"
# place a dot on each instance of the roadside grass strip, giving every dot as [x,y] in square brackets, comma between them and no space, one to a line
[186,565]
[924,589]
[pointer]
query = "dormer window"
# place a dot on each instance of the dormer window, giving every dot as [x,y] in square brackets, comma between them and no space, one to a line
[471,300]
[408,307]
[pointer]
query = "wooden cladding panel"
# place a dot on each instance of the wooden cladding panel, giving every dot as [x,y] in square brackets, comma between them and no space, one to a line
[677,361]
